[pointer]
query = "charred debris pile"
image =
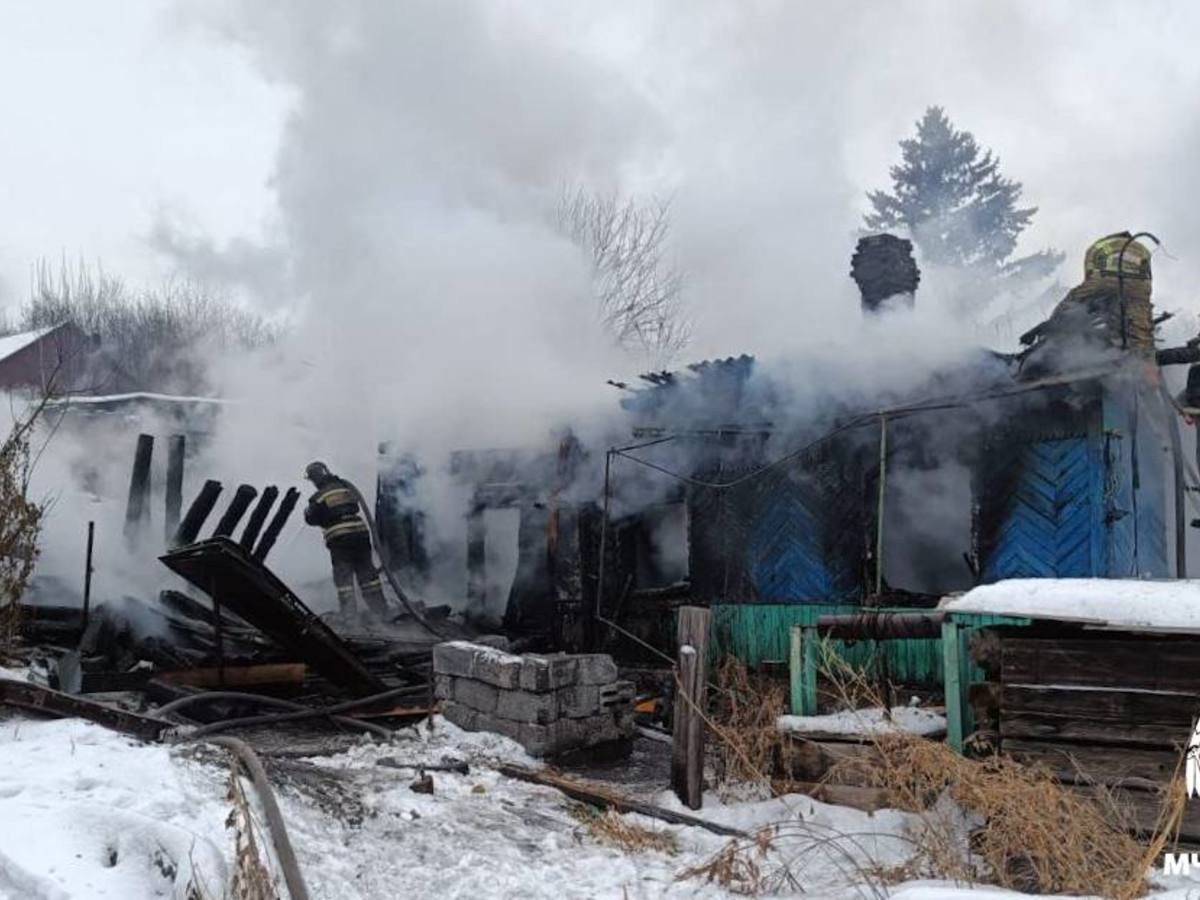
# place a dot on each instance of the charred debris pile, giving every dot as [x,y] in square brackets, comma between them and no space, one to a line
[235,643]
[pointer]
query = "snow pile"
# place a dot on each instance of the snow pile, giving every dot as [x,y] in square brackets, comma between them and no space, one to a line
[910,719]
[1128,603]
[85,812]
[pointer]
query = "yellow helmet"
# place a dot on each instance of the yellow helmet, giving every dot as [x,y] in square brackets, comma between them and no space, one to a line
[1103,256]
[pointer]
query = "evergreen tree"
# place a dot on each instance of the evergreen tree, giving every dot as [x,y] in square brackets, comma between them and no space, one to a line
[960,211]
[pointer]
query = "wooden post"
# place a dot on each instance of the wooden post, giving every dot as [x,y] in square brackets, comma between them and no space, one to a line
[687,750]
[810,641]
[952,679]
[137,509]
[174,496]
[198,512]
[796,670]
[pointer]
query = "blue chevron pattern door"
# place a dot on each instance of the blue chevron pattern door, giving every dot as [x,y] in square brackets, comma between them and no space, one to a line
[1041,511]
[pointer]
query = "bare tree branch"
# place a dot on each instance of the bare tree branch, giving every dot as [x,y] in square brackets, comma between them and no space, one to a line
[638,289]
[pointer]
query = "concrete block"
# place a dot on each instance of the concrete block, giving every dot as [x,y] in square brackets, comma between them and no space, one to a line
[616,695]
[527,706]
[595,668]
[454,658]
[497,668]
[579,701]
[475,694]
[538,740]
[443,687]
[548,673]
[496,725]
[460,715]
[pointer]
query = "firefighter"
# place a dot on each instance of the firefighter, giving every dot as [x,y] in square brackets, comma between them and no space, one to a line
[334,508]
[1113,300]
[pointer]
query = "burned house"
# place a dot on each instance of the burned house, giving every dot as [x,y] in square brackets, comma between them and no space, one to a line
[725,492]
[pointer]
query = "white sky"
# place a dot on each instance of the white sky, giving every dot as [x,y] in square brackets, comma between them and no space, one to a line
[111,112]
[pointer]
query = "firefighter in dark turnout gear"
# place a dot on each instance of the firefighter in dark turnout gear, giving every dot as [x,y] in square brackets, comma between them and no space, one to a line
[334,508]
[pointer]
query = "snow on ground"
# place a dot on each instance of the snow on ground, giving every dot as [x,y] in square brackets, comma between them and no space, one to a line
[1105,601]
[911,719]
[87,813]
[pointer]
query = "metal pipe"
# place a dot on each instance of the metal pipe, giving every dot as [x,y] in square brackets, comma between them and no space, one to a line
[87,573]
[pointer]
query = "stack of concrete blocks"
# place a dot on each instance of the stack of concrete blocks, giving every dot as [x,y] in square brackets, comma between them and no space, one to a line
[548,704]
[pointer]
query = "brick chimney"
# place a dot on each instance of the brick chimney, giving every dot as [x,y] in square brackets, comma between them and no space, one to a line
[883,267]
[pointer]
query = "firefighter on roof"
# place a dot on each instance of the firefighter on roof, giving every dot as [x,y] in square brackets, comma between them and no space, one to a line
[334,508]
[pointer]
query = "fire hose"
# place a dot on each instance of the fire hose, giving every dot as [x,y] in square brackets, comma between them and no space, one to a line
[292,875]
[385,565]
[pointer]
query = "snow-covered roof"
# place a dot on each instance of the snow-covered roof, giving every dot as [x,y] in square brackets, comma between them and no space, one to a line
[101,399]
[1108,602]
[15,343]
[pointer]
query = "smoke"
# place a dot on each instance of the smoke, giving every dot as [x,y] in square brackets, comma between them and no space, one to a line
[432,303]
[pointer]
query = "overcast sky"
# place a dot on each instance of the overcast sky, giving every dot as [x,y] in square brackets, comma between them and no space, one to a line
[249,126]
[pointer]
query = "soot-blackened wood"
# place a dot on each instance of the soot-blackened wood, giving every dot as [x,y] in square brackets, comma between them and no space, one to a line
[198,512]
[176,445]
[137,509]
[687,750]
[29,696]
[1099,764]
[606,800]
[241,501]
[271,535]
[259,517]
[1126,664]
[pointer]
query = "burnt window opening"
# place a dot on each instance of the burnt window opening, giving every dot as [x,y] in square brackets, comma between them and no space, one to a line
[661,546]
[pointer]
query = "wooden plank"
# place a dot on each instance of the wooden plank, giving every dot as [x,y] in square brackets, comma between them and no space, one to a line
[35,698]
[1141,810]
[608,799]
[284,674]
[1134,706]
[808,760]
[1162,719]
[1061,728]
[1131,663]
[810,644]
[1104,765]
[867,799]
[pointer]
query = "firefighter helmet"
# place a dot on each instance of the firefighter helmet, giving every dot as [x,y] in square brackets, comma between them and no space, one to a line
[1105,258]
[316,472]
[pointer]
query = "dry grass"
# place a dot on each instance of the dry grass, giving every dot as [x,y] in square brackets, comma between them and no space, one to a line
[748,744]
[613,830]
[20,527]
[251,877]
[998,821]
[990,821]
